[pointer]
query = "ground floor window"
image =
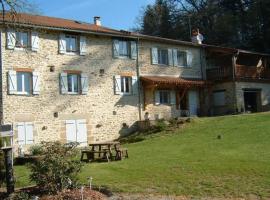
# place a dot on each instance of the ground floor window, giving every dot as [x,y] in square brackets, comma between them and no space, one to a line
[219,98]
[76,131]
[73,83]
[126,85]
[25,133]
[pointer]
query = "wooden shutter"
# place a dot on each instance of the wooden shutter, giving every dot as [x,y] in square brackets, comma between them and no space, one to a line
[63,83]
[12,82]
[189,59]
[21,133]
[115,48]
[175,58]
[133,47]
[29,133]
[62,43]
[84,83]
[81,132]
[154,54]
[172,97]
[11,39]
[134,85]
[34,41]
[157,97]
[170,57]
[71,130]
[117,84]
[83,46]
[36,82]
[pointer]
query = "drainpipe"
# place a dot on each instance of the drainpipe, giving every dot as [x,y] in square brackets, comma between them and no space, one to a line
[1,80]
[138,81]
[234,58]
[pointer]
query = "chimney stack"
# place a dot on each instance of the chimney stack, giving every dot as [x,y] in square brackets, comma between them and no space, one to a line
[97,21]
[196,36]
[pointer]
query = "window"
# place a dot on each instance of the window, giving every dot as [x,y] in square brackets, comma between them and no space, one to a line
[163,57]
[124,48]
[125,85]
[219,98]
[24,82]
[71,43]
[22,39]
[181,58]
[164,97]
[25,133]
[73,83]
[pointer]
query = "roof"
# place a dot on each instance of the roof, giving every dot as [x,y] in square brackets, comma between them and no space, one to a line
[39,21]
[167,80]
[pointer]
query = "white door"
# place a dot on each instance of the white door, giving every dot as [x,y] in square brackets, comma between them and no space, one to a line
[193,99]
[81,132]
[76,131]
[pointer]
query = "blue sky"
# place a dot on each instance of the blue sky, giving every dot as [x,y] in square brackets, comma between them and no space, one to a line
[118,14]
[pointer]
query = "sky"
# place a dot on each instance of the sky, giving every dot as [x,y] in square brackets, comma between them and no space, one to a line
[117,14]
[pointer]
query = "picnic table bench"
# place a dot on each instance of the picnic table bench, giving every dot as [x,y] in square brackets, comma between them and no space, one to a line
[104,151]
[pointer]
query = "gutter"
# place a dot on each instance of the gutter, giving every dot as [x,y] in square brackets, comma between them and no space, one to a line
[138,81]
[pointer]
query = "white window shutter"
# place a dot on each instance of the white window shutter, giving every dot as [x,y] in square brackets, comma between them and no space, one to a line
[21,133]
[11,39]
[154,55]
[115,48]
[62,43]
[36,82]
[157,97]
[175,59]
[172,97]
[29,133]
[63,83]
[81,132]
[189,59]
[84,83]
[12,82]
[133,47]
[71,131]
[117,84]
[83,50]
[170,57]
[34,41]
[134,85]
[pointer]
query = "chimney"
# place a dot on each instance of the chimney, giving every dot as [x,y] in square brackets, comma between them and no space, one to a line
[97,21]
[196,36]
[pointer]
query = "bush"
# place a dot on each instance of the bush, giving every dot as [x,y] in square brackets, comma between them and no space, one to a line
[2,167]
[57,169]
[35,150]
[160,126]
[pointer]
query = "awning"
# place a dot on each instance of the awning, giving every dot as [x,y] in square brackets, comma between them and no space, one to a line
[172,81]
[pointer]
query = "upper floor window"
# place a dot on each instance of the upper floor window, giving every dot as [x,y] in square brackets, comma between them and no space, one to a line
[74,82]
[23,82]
[22,39]
[171,57]
[125,85]
[124,49]
[72,44]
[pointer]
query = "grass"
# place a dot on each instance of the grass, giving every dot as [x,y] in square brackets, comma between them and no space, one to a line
[192,161]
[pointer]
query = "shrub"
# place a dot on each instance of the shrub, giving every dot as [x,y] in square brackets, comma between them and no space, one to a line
[35,150]
[57,169]
[160,125]
[2,166]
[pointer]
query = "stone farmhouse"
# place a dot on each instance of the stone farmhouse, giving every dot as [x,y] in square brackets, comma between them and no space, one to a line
[73,81]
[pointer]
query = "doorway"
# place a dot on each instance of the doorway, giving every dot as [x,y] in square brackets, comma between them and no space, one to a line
[252,100]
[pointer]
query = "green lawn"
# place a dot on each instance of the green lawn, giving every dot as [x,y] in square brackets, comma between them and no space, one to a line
[192,161]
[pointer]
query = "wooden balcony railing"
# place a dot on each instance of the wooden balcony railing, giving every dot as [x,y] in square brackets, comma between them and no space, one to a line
[220,73]
[251,72]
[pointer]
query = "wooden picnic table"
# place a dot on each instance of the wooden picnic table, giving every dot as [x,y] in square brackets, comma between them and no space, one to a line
[104,151]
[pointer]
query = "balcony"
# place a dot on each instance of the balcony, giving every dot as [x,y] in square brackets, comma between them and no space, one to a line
[220,73]
[252,72]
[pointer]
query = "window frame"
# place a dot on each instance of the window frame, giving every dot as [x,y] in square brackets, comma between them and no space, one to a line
[68,38]
[161,98]
[24,92]
[128,46]
[160,50]
[18,39]
[123,82]
[185,58]
[72,83]
[224,98]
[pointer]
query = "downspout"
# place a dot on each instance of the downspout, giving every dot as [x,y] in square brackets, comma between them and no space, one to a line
[1,80]
[234,58]
[138,81]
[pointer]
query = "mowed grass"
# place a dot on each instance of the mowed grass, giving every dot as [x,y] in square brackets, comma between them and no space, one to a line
[192,161]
